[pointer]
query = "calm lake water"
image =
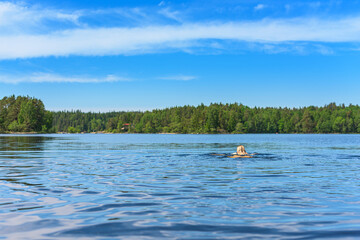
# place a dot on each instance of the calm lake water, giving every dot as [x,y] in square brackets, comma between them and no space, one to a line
[170,186]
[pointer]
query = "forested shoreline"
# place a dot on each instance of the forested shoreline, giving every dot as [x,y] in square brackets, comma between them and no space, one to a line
[25,114]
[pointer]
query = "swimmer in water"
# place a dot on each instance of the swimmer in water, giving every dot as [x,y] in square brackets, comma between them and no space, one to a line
[240,150]
[241,153]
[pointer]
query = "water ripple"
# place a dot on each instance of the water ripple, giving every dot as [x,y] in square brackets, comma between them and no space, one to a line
[118,205]
[173,187]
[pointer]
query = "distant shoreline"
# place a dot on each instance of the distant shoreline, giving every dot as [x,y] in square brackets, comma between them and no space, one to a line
[106,133]
[216,118]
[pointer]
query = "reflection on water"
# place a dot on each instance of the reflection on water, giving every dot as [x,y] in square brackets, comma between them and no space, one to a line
[171,186]
[20,162]
[22,143]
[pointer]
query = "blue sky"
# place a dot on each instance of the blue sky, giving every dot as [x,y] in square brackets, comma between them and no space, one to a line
[138,55]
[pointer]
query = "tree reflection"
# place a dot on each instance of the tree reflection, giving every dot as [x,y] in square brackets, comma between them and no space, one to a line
[21,160]
[23,143]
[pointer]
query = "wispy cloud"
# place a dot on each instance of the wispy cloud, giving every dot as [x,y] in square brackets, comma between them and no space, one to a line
[115,41]
[55,78]
[17,41]
[259,7]
[17,18]
[178,78]
[298,48]
[41,77]
[168,13]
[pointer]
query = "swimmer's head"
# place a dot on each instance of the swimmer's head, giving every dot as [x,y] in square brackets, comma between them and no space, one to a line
[241,150]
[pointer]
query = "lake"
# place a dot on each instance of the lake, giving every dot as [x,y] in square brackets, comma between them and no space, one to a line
[144,186]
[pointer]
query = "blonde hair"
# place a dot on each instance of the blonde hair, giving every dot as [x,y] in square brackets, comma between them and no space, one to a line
[241,150]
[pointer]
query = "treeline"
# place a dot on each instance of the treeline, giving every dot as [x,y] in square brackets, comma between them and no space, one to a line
[24,114]
[216,118]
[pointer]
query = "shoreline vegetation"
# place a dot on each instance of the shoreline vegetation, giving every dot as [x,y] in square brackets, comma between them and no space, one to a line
[26,115]
[102,132]
[164,133]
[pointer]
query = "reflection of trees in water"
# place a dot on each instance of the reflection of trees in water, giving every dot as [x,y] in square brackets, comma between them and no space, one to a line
[21,159]
[23,143]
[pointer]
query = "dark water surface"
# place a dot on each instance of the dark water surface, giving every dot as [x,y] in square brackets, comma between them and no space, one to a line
[170,186]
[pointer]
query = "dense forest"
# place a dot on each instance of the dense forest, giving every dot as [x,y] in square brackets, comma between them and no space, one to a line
[24,114]
[28,114]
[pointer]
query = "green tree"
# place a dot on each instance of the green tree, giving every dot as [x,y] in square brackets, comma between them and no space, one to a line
[307,122]
[212,119]
[338,124]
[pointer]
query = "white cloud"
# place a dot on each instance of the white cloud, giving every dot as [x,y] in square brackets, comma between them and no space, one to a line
[259,7]
[54,78]
[115,41]
[178,78]
[174,15]
[20,17]
[20,36]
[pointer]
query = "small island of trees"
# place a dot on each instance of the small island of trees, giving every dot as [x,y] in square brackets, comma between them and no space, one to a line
[26,114]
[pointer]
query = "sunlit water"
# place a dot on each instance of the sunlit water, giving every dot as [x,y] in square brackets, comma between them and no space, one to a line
[171,186]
